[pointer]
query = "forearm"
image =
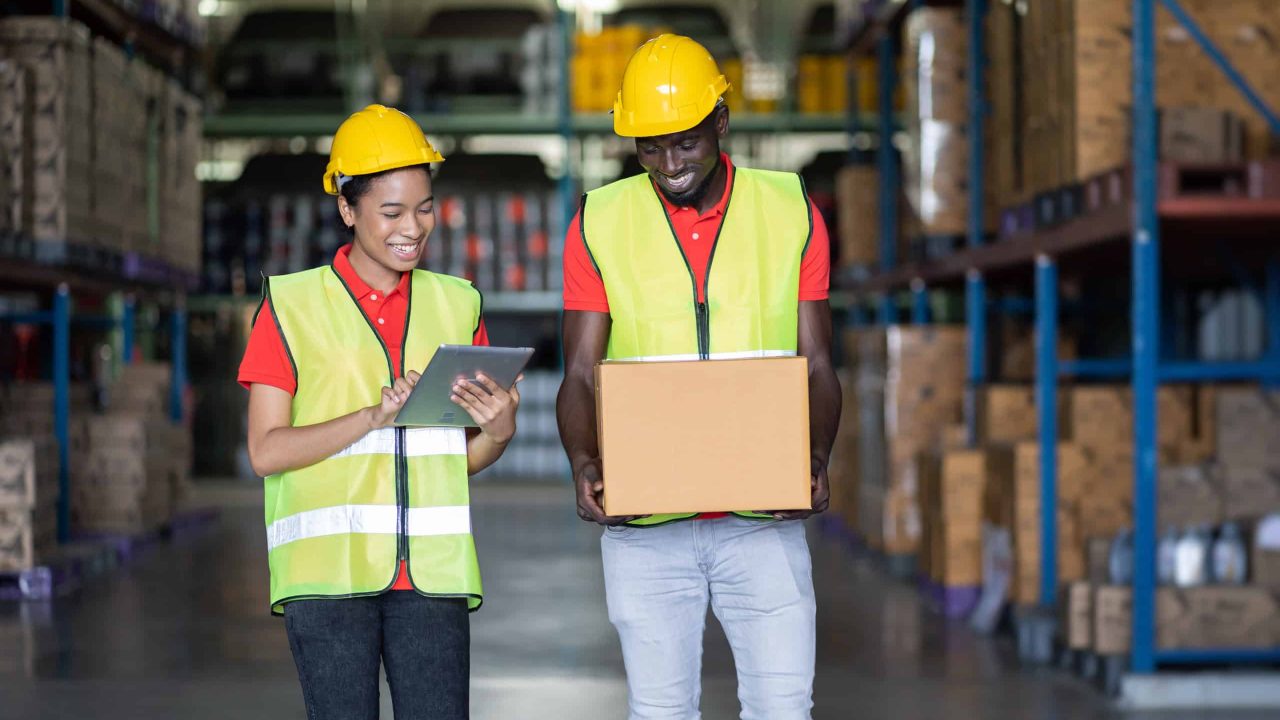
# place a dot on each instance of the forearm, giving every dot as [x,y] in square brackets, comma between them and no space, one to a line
[576,416]
[824,408]
[482,451]
[291,448]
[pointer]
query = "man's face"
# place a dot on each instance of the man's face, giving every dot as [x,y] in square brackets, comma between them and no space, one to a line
[682,164]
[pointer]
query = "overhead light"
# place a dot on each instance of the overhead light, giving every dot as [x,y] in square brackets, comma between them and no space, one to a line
[595,6]
[210,8]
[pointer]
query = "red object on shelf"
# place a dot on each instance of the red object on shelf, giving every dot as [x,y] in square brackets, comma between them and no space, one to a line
[538,245]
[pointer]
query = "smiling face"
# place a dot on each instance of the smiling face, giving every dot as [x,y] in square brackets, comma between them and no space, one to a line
[392,214]
[684,164]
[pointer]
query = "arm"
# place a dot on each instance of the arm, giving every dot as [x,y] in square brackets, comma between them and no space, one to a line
[586,335]
[275,446]
[824,400]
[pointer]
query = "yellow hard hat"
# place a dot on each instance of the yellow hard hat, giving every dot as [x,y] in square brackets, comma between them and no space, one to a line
[375,139]
[671,83]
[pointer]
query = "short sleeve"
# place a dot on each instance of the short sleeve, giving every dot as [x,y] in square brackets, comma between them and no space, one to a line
[815,268]
[583,286]
[265,359]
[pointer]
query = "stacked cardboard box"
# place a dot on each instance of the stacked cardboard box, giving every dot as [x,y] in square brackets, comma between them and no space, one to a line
[1247,424]
[129,467]
[857,201]
[120,147]
[910,387]
[1061,112]
[55,52]
[179,240]
[1216,616]
[935,168]
[1006,414]
[842,471]
[28,501]
[952,490]
[16,147]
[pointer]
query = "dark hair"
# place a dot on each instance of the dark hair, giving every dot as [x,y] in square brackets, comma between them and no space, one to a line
[355,187]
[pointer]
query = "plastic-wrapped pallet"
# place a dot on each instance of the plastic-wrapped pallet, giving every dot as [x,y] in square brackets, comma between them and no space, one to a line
[936,165]
[28,501]
[56,54]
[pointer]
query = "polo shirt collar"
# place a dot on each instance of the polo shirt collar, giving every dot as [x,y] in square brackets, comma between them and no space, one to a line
[359,288]
[719,206]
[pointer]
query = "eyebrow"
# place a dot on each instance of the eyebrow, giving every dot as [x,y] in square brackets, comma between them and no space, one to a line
[396,204]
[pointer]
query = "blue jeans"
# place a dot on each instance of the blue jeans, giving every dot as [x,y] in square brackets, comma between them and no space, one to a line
[338,645]
[758,579]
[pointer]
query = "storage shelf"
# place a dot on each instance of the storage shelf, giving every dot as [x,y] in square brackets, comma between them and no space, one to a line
[152,32]
[541,302]
[133,272]
[267,124]
[1218,656]
[1108,226]
[879,15]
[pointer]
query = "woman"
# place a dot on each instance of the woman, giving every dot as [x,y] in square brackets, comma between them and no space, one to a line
[368,525]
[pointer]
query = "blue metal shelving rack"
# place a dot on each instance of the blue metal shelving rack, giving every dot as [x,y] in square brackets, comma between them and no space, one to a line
[1147,366]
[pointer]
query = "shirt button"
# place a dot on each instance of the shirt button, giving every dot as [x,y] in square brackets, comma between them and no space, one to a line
[381,321]
[695,237]
[374,296]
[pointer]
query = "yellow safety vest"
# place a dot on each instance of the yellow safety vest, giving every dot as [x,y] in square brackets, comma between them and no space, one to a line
[340,527]
[752,284]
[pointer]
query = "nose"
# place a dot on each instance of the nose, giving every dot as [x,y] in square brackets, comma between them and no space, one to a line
[411,228]
[669,163]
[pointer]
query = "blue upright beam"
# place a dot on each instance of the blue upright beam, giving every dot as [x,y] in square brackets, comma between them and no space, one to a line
[1213,656]
[127,315]
[62,404]
[1047,412]
[1271,305]
[919,302]
[178,365]
[887,309]
[975,315]
[1146,334]
[977,14]
[1207,45]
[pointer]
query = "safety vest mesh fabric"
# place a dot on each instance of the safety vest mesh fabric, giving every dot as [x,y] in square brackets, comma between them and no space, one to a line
[751,307]
[338,528]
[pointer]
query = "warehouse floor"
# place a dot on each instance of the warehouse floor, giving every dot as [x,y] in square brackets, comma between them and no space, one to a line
[184,633]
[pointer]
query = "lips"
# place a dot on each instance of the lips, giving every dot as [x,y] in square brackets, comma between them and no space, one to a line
[679,183]
[406,251]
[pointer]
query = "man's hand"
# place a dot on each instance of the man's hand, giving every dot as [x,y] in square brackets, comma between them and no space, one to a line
[588,480]
[820,496]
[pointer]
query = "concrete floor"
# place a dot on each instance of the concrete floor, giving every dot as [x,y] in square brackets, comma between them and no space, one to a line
[184,633]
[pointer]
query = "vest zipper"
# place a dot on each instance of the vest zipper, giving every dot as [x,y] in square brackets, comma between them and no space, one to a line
[704,331]
[402,500]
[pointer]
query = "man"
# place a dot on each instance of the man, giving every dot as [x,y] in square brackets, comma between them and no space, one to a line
[698,259]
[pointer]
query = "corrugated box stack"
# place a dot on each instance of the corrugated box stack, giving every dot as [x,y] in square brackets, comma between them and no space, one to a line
[120,147]
[55,53]
[842,471]
[952,488]
[15,147]
[1068,120]
[935,168]
[129,467]
[910,387]
[1248,424]
[857,197]
[29,472]
[180,199]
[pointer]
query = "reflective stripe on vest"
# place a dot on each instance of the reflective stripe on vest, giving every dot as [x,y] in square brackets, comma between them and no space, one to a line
[752,285]
[340,527]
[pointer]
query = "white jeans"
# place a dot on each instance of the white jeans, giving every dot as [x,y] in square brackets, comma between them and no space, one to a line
[759,580]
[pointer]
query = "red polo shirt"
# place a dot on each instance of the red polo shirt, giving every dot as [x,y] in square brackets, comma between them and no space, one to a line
[584,288]
[266,361]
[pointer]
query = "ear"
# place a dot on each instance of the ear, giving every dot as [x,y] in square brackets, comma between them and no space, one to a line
[347,212]
[722,121]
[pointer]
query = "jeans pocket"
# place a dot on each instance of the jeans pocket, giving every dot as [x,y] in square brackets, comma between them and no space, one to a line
[619,532]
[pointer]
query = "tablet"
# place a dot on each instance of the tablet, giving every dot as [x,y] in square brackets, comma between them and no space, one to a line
[429,404]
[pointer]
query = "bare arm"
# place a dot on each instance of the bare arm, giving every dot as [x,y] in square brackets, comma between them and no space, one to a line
[814,343]
[586,336]
[275,446]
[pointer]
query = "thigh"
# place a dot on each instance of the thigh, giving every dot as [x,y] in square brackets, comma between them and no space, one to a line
[762,593]
[657,597]
[336,647]
[426,646]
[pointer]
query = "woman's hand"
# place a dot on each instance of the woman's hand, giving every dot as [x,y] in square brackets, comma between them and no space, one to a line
[382,414]
[494,411]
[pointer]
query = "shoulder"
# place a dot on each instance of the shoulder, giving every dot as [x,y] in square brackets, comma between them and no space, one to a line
[776,178]
[617,188]
[291,282]
[446,283]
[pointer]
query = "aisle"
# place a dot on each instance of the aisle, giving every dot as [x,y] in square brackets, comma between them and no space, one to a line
[185,634]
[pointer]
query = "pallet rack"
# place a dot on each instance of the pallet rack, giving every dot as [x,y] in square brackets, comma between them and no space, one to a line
[1146,223]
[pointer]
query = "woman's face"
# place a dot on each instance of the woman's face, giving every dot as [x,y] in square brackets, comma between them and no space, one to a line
[394,218]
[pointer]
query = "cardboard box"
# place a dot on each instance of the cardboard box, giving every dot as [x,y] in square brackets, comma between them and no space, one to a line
[1188,496]
[1007,414]
[1112,619]
[681,437]
[1078,616]
[1201,135]
[1221,616]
